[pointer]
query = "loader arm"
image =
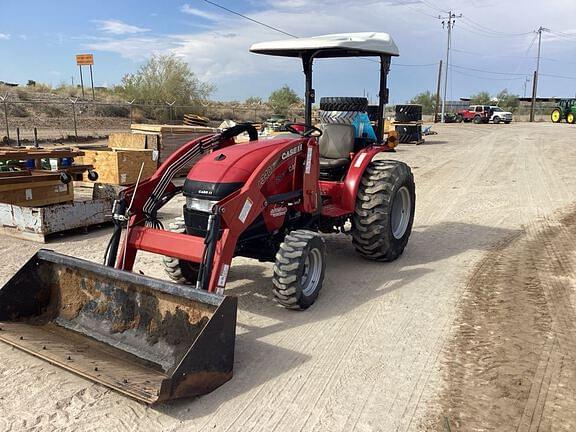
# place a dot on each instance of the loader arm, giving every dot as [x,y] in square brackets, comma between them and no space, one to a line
[230,218]
[139,204]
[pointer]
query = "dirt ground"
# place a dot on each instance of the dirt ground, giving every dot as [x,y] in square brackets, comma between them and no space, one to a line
[472,327]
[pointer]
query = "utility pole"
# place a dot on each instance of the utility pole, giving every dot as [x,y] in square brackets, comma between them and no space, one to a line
[447,22]
[437,104]
[536,74]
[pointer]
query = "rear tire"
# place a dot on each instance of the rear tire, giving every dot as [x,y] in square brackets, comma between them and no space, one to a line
[408,113]
[180,271]
[477,120]
[556,115]
[384,213]
[299,269]
[344,104]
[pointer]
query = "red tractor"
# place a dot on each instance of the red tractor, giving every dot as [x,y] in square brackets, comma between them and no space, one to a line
[266,199]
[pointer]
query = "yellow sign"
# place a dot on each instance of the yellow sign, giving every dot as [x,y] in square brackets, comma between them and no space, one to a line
[84,59]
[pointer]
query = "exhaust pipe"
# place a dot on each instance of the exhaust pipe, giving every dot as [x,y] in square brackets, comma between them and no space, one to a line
[148,339]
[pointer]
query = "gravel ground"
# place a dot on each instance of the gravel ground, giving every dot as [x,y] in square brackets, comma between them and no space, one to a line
[386,346]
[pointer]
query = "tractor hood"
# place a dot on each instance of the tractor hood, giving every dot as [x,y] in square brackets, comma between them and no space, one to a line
[223,171]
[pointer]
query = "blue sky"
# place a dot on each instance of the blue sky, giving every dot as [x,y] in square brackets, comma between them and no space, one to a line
[38,40]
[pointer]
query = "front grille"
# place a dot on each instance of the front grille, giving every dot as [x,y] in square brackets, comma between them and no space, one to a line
[196,222]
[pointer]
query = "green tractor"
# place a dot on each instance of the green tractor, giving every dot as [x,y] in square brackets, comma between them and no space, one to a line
[566,109]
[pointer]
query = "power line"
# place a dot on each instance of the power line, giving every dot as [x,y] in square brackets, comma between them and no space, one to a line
[487,78]
[558,76]
[250,19]
[294,36]
[494,32]
[487,71]
[433,6]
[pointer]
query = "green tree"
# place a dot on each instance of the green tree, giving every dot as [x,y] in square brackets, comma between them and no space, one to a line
[254,100]
[427,100]
[282,99]
[481,98]
[165,78]
[507,101]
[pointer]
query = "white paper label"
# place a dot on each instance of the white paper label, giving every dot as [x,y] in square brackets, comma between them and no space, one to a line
[359,161]
[62,188]
[223,275]
[245,210]
[123,178]
[28,194]
[308,160]
[155,155]
[54,164]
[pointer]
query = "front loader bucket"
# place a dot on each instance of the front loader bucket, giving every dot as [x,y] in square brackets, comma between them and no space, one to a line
[151,340]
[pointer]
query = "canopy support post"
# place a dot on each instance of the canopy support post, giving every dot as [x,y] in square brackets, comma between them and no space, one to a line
[310,94]
[382,97]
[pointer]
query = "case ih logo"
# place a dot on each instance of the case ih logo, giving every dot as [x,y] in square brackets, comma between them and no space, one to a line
[292,151]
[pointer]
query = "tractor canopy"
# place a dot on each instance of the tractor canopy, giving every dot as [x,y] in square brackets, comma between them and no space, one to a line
[333,45]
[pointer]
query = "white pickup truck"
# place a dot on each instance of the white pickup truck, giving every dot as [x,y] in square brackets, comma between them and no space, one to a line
[499,115]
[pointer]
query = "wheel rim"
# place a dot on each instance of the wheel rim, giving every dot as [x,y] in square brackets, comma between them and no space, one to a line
[312,271]
[401,212]
[570,118]
[555,116]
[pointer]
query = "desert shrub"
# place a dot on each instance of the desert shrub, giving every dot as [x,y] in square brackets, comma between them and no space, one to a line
[111,111]
[49,110]
[17,110]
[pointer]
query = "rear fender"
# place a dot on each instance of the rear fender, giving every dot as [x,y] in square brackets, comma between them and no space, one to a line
[352,181]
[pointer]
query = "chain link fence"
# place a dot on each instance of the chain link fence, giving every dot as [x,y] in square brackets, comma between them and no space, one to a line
[76,119]
[29,117]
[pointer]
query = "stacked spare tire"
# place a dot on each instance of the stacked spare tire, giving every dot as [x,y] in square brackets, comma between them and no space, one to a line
[408,123]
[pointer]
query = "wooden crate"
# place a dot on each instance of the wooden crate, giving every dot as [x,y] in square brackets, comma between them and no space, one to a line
[37,193]
[121,166]
[127,140]
[171,138]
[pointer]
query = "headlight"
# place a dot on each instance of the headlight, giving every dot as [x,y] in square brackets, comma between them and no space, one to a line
[200,204]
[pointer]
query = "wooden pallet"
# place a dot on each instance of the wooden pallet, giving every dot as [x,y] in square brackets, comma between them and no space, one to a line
[90,208]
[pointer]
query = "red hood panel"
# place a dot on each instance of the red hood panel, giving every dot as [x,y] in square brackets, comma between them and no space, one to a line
[235,163]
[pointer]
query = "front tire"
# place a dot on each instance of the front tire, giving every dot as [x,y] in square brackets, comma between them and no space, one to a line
[180,271]
[384,212]
[556,116]
[496,120]
[299,269]
[570,118]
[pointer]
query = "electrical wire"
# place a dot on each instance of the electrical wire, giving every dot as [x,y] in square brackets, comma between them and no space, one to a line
[558,76]
[487,71]
[486,78]
[294,36]
[250,19]
[433,6]
[488,30]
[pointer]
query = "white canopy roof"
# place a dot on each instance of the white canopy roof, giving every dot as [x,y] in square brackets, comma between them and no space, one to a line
[333,45]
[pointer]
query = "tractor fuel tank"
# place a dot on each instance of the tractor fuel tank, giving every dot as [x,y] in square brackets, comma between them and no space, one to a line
[148,339]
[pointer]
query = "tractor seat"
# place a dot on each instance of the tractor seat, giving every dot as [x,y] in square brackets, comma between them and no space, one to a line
[336,144]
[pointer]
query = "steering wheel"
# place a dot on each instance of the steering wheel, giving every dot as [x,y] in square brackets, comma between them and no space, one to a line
[308,132]
[236,130]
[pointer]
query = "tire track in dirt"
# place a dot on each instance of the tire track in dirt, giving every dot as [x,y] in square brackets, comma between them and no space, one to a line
[510,363]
